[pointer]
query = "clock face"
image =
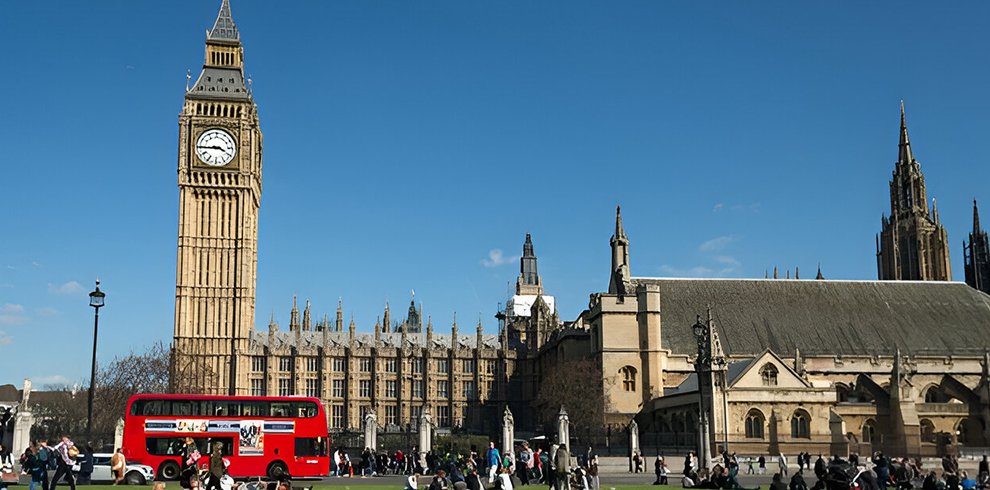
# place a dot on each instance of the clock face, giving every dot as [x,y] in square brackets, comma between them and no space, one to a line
[216,147]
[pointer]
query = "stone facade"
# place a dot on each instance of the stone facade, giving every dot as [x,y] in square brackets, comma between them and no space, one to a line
[806,365]
[219,168]
[459,378]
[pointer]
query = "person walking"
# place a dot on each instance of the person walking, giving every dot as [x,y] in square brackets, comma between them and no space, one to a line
[118,466]
[216,468]
[493,459]
[65,453]
[593,472]
[782,464]
[35,467]
[85,462]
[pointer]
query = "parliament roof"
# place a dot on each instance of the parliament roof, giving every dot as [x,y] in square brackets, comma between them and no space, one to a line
[826,317]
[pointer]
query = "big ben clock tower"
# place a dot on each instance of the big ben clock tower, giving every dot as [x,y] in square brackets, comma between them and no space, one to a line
[220,147]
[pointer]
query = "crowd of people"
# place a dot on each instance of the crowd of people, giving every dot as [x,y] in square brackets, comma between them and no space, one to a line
[879,472]
[66,462]
[475,470]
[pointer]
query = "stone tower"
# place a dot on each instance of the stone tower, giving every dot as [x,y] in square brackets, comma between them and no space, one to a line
[219,168]
[976,255]
[912,244]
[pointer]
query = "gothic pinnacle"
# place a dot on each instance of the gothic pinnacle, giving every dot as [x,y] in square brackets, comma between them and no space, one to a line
[619,231]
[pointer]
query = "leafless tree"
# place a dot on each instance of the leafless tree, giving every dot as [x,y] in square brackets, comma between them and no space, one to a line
[579,386]
[61,409]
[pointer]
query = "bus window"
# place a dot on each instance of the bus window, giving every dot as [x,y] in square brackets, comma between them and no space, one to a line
[303,409]
[205,445]
[164,446]
[227,409]
[281,409]
[181,408]
[151,408]
[311,446]
[206,408]
[254,409]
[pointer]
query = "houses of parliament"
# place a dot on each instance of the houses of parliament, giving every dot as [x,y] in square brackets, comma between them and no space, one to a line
[900,363]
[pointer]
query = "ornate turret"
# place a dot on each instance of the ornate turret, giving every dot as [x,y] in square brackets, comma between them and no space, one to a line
[294,316]
[913,244]
[307,323]
[480,334]
[339,324]
[620,257]
[976,255]
[529,281]
[388,320]
[352,331]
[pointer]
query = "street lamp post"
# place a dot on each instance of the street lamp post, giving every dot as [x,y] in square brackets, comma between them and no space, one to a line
[96,299]
[704,356]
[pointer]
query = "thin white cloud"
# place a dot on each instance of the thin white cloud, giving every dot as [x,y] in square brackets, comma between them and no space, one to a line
[718,207]
[4,338]
[496,258]
[11,308]
[12,314]
[717,243]
[47,311]
[10,267]
[71,287]
[725,267]
[35,263]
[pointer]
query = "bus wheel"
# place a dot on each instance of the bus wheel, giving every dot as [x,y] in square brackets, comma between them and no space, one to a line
[169,470]
[134,478]
[277,470]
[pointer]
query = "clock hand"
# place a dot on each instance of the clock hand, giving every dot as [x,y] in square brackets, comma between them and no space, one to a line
[210,147]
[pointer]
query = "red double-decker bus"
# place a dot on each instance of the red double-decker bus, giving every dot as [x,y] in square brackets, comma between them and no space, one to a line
[261,436]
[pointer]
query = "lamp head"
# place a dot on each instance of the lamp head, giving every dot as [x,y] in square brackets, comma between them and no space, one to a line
[97,297]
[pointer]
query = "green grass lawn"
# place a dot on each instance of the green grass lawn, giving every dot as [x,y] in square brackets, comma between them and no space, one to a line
[345,485]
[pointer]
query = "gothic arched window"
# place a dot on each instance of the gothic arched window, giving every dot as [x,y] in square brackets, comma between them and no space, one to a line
[769,374]
[869,431]
[927,431]
[962,432]
[754,424]
[841,393]
[801,425]
[935,394]
[628,378]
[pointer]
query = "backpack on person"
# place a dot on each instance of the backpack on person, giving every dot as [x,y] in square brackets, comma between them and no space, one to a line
[47,458]
[524,456]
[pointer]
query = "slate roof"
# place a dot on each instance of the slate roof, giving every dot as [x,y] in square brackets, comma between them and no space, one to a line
[826,317]
[690,383]
[220,83]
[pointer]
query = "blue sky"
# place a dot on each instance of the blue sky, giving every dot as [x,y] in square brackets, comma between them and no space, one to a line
[408,143]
